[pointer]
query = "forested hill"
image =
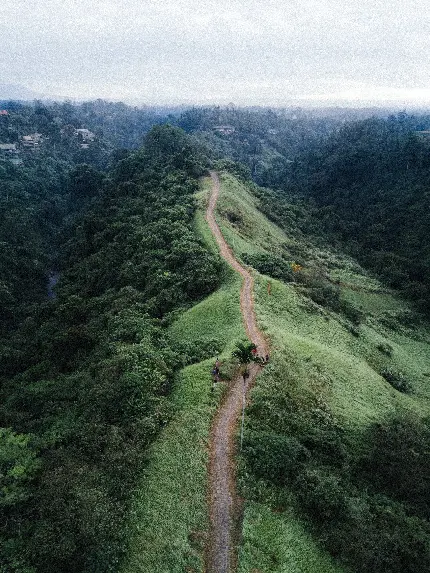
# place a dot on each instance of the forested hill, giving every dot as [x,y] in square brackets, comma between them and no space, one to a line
[120,125]
[264,140]
[85,376]
[370,181]
[365,181]
[86,370]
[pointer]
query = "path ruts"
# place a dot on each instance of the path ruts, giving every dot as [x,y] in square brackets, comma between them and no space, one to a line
[222,496]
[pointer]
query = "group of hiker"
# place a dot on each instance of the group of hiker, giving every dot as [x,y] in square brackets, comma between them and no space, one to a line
[261,360]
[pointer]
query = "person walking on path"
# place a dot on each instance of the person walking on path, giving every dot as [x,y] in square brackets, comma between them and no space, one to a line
[215,373]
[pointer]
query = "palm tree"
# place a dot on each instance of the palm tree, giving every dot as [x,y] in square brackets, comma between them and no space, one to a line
[244,354]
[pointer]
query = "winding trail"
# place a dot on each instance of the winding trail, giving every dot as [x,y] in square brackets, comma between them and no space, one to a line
[223,500]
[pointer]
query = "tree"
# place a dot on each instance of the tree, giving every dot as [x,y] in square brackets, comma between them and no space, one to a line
[245,353]
[18,464]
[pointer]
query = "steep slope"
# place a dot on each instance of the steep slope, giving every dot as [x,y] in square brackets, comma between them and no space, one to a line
[327,409]
[332,329]
[85,379]
[169,522]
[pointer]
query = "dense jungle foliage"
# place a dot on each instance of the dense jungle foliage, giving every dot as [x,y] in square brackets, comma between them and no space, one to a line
[368,505]
[263,140]
[369,181]
[85,375]
[120,126]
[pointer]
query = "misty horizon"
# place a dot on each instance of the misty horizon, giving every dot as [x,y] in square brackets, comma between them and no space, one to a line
[270,53]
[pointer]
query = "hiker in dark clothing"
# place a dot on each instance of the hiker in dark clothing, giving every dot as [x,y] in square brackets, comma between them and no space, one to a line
[215,373]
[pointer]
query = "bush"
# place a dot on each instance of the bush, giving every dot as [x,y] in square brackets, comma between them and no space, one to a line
[398,461]
[322,495]
[269,264]
[385,348]
[397,380]
[274,457]
[353,314]
[197,351]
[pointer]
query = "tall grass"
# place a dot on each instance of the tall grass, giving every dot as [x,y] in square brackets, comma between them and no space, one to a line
[169,520]
[276,542]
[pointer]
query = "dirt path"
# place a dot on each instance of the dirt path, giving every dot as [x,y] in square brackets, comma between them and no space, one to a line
[222,495]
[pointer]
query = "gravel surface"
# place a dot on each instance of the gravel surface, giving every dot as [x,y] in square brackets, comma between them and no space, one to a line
[222,495]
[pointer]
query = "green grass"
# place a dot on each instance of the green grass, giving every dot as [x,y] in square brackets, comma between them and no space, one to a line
[358,394]
[201,225]
[278,543]
[252,233]
[295,323]
[322,355]
[169,519]
[314,350]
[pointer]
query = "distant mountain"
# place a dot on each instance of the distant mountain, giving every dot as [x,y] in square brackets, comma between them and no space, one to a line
[18,92]
[22,93]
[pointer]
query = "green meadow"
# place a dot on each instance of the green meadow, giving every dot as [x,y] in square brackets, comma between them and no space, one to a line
[325,377]
[279,543]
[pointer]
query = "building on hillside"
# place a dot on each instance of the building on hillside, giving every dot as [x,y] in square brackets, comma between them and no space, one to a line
[11,152]
[85,135]
[8,148]
[4,112]
[224,129]
[31,141]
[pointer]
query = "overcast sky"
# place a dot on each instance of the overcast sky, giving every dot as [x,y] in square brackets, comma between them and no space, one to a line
[269,52]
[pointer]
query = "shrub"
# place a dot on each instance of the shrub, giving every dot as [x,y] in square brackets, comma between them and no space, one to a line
[325,295]
[197,351]
[274,456]
[351,312]
[398,460]
[385,348]
[354,331]
[269,264]
[397,380]
[322,495]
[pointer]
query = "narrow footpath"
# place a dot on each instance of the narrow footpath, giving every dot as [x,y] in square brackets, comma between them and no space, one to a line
[222,492]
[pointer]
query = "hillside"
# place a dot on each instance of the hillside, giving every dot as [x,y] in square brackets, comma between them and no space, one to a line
[327,461]
[369,183]
[323,427]
[107,400]
[86,375]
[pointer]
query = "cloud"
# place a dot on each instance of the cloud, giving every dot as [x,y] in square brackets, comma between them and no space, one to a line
[245,51]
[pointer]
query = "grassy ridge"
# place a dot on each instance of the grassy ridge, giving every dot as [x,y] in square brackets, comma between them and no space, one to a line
[324,380]
[169,521]
[347,367]
[280,544]
[267,543]
[243,226]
